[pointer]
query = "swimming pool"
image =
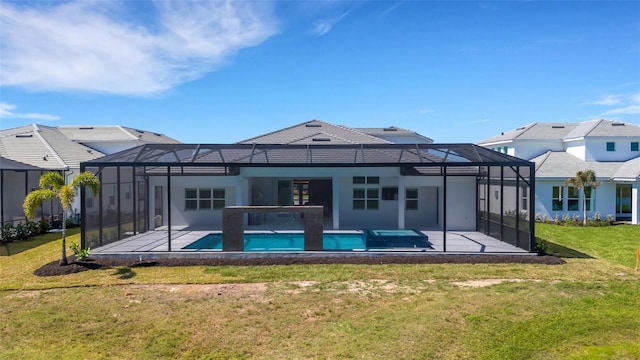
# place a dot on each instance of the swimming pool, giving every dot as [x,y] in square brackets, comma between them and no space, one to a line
[333,241]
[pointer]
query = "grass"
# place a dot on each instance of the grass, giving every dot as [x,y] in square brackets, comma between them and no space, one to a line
[588,308]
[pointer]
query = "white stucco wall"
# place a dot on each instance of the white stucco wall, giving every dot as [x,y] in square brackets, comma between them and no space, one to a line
[528,149]
[461,203]
[604,200]
[181,217]
[596,149]
[460,192]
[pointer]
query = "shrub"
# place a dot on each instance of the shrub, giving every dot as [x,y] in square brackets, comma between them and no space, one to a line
[45,226]
[32,228]
[80,253]
[542,246]
[21,231]
[7,232]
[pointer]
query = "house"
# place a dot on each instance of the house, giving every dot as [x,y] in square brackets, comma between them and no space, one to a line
[26,152]
[362,178]
[559,150]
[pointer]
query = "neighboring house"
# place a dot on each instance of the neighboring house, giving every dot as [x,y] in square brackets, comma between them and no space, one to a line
[361,177]
[610,148]
[320,132]
[61,148]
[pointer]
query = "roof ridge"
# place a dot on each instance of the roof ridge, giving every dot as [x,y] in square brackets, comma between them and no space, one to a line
[322,133]
[359,132]
[126,132]
[527,128]
[593,127]
[276,131]
[546,156]
[49,147]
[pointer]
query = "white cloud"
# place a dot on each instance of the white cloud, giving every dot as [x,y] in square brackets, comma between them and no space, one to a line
[627,110]
[6,111]
[323,26]
[607,100]
[628,104]
[100,46]
[424,111]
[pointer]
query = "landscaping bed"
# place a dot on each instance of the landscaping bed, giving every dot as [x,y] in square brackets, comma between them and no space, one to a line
[75,266]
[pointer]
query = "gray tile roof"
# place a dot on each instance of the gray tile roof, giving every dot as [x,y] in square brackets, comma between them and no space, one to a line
[8,164]
[629,170]
[113,133]
[44,147]
[566,131]
[305,133]
[541,131]
[393,131]
[62,147]
[559,164]
[603,127]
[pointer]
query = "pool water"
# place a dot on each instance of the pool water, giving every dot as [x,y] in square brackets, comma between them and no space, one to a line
[367,239]
[282,242]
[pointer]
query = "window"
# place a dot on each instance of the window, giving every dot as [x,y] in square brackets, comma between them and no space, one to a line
[505,149]
[218,198]
[366,199]
[557,198]
[411,199]
[611,146]
[588,193]
[573,197]
[204,199]
[634,146]
[366,180]
[191,199]
[525,199]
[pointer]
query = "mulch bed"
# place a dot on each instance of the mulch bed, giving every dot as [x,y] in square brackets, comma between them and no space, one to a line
[75,266]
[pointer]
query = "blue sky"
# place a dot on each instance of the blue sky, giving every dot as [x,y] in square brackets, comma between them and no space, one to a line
[220,72]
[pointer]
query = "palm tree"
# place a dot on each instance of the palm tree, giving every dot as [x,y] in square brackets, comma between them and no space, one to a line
[583,180]
[52,186]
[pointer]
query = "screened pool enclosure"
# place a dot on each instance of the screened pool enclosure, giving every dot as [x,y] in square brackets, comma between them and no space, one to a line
[163,188]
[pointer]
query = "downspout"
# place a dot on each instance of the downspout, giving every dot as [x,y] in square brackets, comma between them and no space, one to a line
[169,207]
[532,204]
[444,204]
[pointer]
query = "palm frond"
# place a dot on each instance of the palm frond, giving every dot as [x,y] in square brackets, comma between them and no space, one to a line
[67,195]
[34,199]
[52,181]
[87,179]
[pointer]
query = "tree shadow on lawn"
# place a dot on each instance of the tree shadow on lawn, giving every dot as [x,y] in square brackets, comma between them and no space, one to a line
[565,252]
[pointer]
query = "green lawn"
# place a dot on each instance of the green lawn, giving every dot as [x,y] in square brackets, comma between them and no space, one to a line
[588,308]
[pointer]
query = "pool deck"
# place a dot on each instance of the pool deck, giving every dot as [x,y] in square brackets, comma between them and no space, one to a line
[154,244]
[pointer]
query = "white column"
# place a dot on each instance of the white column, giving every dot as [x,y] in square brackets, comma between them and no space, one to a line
[241,192]
[635,206]
[335,190]
[401,202]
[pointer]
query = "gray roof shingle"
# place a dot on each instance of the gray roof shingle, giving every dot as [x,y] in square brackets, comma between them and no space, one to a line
[559,164]
[629,170]
[113,133]
[8,164]
[44,147]
[566,131]
[603,127]
[307,131]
